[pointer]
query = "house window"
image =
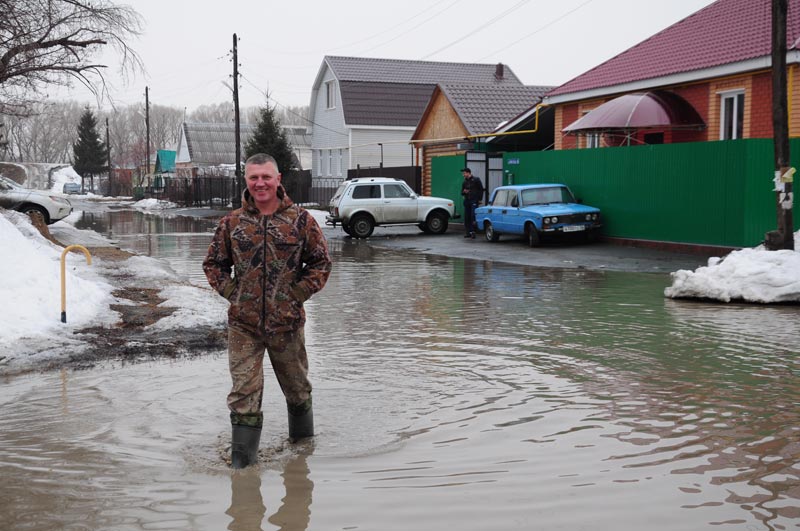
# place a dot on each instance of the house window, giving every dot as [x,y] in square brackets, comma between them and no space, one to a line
[341,161]
[330,163]
[731,117]
[330,94]
[593,140]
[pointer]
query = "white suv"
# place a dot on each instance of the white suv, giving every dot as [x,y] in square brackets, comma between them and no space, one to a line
[360,205]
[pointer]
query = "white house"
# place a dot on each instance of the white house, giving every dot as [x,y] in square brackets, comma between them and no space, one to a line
[363,111]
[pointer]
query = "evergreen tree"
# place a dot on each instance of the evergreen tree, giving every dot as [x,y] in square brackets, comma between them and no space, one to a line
[90,155]
[270,138]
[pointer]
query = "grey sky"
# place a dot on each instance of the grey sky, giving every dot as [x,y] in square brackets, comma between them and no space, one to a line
[185,44]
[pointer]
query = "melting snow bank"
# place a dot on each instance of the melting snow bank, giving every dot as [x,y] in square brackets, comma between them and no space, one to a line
[753,275]
[32,332]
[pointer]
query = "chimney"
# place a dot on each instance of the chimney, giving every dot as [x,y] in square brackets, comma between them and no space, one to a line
[498,72]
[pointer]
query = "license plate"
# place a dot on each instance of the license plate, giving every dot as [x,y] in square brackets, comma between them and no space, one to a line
[573,228]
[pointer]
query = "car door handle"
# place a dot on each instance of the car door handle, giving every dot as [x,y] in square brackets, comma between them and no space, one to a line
[504,212]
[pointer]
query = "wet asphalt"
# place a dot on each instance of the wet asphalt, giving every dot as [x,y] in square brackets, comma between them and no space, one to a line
[599,256]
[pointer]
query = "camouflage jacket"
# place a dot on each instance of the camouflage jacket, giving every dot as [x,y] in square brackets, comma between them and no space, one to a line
[267,266]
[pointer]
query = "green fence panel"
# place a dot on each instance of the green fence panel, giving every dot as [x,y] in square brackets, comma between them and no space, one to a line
[708,193]
[448,178]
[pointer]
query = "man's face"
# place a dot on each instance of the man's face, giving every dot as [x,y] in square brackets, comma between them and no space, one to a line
[262,181]
[466,174]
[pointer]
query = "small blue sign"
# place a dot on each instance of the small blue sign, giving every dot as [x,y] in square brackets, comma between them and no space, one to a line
[512,161]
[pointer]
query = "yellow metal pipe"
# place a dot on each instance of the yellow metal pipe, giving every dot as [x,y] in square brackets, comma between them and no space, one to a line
[64,276]
[527,131]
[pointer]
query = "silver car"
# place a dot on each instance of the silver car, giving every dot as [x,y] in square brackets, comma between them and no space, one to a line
[14,197]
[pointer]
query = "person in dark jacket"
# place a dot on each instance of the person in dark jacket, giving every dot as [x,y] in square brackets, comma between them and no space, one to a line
[472,191]
[267,258]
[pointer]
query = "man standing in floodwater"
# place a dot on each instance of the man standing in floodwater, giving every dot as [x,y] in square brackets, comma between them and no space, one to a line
[267,258]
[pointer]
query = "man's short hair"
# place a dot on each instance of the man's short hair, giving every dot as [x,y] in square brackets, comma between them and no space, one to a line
[467,170]
[262,158]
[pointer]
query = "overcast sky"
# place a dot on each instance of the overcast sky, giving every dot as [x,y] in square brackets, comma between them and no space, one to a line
[185,45]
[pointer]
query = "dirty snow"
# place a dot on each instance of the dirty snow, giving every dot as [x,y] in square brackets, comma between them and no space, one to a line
[30,285]
[752,275]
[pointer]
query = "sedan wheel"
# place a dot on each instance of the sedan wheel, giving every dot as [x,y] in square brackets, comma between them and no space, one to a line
[491,235]
[532,235]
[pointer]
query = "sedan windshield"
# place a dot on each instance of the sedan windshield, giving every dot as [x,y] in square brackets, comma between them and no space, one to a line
[544,196]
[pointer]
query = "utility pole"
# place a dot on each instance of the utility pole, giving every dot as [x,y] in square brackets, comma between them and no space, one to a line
[147,130]
[108,161]
[783,238]
[237,201]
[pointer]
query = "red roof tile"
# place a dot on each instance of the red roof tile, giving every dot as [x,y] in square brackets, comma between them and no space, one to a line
[727,31]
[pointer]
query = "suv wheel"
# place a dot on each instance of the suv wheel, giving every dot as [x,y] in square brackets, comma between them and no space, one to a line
[361,226]
[436,223]
[491,235]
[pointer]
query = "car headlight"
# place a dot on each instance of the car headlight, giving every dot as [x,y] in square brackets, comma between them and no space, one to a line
[554,220]
[60,200]
[588,217]
[546,221]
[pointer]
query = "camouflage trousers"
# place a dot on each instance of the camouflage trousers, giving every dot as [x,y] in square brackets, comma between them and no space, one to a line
[287,354]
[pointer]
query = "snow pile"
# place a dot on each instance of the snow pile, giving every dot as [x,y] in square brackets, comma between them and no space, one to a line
[754,275]
[60,177]
[153,204]
[30,281]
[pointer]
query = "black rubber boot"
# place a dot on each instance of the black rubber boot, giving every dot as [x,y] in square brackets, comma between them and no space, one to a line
[301,421]
[244,445]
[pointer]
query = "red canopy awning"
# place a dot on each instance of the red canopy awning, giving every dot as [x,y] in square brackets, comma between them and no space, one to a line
[644,110]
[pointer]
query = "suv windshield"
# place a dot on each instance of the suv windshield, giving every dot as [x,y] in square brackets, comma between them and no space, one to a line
[543,196]
[8,184]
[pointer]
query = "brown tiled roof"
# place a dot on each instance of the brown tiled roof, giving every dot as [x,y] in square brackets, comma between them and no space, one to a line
[417,72]
[394,92]
[389,104]
[725,32]
[483,107]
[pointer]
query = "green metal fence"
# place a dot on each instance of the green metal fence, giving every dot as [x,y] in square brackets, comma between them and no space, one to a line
[710,193]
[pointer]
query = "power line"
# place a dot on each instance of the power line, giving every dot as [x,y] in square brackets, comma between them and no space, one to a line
[536,30]
[413,28]
[481,28]
[270,98]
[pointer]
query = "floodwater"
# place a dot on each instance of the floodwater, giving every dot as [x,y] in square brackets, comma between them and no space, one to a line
[449,393]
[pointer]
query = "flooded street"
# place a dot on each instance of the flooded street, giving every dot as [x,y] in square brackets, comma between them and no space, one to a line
[449,393]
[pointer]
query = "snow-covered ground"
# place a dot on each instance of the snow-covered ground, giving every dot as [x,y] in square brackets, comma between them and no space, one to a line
[751,275]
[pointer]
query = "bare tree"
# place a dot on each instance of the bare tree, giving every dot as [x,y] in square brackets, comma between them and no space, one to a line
[53,42]
[214,113]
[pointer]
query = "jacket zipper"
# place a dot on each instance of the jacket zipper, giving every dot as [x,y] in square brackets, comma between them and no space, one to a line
[264,277]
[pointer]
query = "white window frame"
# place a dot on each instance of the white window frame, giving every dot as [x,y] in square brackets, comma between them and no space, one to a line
[731,95]
[339,174]
[330,163]
[592,140]
[330,94]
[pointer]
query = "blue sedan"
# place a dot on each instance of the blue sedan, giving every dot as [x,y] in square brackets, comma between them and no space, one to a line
[536,211]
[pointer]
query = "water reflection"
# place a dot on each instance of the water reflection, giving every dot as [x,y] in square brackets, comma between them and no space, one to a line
[483,395]
[179,240]
[247,507]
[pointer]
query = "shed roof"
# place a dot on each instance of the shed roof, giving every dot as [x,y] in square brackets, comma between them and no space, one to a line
[723,33]
[214,143]
[165,161]
[482,108]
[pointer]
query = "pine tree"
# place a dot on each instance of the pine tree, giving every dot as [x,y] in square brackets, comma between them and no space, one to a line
[270,138]
[89,153]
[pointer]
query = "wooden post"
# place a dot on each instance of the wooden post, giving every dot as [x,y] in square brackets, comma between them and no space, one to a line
[783,238]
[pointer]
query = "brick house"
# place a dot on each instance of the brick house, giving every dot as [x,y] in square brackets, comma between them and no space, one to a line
[716,60]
